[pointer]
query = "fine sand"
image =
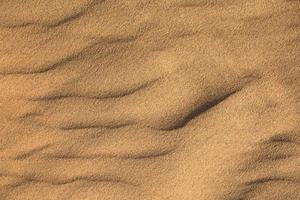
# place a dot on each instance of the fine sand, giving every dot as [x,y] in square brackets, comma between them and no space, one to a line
[149,100]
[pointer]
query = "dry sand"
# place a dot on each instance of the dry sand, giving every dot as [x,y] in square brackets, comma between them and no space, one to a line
[149,100]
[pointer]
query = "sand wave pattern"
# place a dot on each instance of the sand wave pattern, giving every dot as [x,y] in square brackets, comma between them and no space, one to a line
[149,100]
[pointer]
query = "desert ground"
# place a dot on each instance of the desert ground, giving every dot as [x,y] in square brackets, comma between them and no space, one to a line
[150,100]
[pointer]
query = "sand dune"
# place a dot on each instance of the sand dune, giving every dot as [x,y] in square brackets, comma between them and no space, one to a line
[149,100]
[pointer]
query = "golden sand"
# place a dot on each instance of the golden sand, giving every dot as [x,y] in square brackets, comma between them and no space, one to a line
[149,100]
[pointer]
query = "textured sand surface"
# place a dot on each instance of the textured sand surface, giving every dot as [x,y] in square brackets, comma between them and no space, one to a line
[149,100]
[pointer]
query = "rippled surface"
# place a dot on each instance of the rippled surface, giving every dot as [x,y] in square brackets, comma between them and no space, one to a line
[149,100]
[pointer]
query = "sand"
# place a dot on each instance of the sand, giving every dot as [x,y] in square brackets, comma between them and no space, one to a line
[149,100]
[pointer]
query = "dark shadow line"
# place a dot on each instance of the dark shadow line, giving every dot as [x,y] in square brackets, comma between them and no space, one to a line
[76,15]
[149,155]
[74,56]
[50,67]
[268,180]
[31,152]
[80,127]
[141,156]
[103,97]
[22,25]
[203,108]
[251,186]
[106,179]
[282,138]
